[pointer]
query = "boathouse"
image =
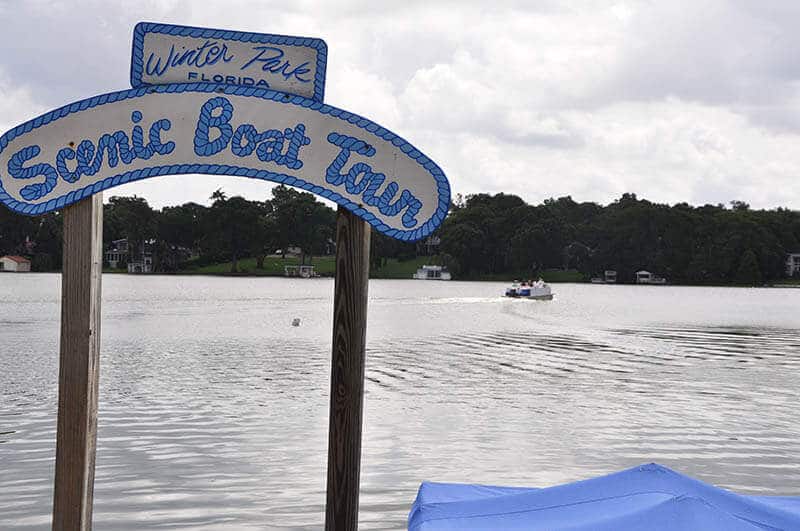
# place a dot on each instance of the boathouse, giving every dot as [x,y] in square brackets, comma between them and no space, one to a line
[646,277]
[303,271]
[16,264]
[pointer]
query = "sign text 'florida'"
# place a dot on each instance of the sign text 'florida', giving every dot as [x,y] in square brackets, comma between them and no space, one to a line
[112,139]
[163,54]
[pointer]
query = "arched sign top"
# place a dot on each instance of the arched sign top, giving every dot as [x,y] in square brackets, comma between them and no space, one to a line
[95,144]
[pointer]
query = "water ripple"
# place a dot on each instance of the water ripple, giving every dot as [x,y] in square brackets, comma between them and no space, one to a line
[213,408]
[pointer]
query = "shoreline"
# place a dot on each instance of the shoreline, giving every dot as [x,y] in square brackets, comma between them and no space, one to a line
[326,275]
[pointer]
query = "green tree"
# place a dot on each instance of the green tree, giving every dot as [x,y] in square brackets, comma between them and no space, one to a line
[15,229]
[179,231]
[301,220]
[231,228]
[748,271]
[706,245]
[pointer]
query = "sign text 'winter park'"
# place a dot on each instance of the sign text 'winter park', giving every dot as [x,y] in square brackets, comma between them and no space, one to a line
[164,53]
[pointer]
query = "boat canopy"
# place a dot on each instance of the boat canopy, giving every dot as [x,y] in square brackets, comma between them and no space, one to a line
[650,497]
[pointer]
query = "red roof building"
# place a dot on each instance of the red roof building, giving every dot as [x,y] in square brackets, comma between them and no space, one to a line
[16,264]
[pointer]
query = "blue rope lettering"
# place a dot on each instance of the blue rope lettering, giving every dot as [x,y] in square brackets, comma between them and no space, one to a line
[270,149]
[370,182]
[32,192]
[155,138]
[297,139]
[203,145]
[245,131]
[268,145]
[116,148]
[122,149]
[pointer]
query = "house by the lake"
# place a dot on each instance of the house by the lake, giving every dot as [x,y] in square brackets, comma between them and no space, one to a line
[117,256]
[15,264]
[793,264]
[117,253]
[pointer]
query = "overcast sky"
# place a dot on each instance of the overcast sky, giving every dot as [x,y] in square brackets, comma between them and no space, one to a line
[695,101]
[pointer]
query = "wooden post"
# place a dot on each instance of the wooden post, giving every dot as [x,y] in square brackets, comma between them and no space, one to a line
[78,365]
[347,371]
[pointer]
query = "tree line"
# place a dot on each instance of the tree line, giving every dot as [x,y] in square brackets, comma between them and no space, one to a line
[711,244]
[230,229]
[484,236]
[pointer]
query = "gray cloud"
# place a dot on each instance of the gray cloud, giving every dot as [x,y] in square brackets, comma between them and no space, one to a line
[677,101]
[737,54]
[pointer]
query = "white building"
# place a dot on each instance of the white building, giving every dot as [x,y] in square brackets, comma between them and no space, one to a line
[609,277]
[118,253]
[432,272]
[646,277]
[144,266]
[303,271]
[16,264]
[793,264]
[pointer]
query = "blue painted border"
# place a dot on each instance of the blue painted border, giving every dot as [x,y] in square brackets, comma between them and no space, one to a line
[443,186]
[142,28]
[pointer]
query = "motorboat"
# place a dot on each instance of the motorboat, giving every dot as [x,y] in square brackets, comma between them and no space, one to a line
[539,290]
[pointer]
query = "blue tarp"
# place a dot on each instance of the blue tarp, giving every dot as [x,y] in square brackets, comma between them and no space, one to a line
[648,497]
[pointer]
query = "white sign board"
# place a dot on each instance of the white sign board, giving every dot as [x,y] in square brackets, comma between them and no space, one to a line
[163,54]
[95,144]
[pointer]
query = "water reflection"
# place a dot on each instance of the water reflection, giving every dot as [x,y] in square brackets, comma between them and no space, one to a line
[213,410]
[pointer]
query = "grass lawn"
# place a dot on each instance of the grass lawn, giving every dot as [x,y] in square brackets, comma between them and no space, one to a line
[394,268]
[788,282]
[556,275]
[273,266]
[324,265]
[552,275]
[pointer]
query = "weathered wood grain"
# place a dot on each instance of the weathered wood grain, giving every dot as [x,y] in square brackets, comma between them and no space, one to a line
[347,371]
[78,365]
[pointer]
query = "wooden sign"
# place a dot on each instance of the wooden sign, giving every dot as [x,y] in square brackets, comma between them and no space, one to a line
[262,117]
[164,54]
[95,144]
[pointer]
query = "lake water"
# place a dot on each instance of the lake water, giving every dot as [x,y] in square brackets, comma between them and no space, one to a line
[213,407]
